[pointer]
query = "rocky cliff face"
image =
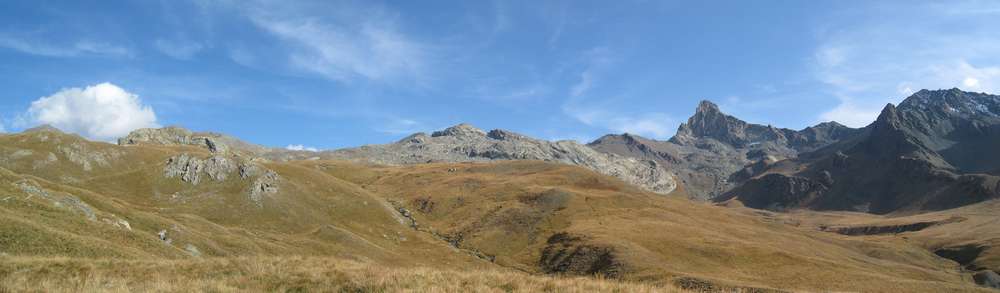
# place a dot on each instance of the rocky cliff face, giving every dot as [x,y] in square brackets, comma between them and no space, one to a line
[935,151]
[712,152]
[464,143]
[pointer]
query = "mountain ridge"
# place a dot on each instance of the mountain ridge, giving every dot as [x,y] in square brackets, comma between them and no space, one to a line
[712,148]
[929,153]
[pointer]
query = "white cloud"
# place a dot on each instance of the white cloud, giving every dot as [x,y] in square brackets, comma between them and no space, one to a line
[79,48]
[182,50]
[299,147]
[970,82]
[2,129]
[102,112]
[887,56]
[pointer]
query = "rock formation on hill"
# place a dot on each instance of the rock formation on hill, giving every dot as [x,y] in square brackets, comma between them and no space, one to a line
[936,150]
[214,142]
[713,152]
[464,143]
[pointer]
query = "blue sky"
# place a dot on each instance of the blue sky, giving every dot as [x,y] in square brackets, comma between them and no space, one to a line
[330,74]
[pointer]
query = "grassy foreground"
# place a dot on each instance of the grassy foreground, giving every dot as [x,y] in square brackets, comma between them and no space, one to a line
[288,274]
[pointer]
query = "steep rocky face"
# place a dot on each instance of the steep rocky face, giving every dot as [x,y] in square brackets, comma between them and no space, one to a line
[934,151]
[464,143]
[713,152]
[709,122]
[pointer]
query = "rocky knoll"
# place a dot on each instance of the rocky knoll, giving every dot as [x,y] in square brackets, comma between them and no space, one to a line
[935,151]
[228,155]
[464,143]
[713,152]
[215,142]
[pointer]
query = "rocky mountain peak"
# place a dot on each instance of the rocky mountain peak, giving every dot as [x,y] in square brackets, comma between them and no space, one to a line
[632,138]
[706,106]
[460,130]
[829,125]
[888,118]
[953,102]
[709,122]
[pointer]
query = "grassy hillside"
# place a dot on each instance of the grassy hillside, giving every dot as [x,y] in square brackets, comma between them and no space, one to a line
[79,215]
[968,235]
[289,274]
[531,215]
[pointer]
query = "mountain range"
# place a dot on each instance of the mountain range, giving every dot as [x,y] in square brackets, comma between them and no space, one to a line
[904,204]
[936,150]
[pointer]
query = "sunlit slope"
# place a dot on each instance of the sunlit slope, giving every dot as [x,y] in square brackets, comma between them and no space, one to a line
[63,196]
[112,201]
[542,217]
[969,235]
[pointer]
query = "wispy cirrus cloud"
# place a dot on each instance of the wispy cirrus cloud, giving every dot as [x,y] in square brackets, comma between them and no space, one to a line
[399,126]
[589,104]
[178,49]
[342,41]
[886,58]
[73,49]
[650,124]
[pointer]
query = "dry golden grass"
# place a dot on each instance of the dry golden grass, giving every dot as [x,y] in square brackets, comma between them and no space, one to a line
[508,210]
[333,227]
[974,225]
[289,274]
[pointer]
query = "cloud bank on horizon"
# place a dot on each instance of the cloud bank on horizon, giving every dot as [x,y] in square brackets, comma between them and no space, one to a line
[362,72]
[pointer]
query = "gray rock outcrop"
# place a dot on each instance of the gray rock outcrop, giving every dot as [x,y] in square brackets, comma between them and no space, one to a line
[262,186]
[465,143]
[214,142]
[987,278]
[190,168]
[60,200]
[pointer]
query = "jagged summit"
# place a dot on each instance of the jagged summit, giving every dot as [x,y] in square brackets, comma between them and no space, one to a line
[888,116]
[709,122]
[460,130]
[706,106]
[468,131]
[953,102]
[935,150]
[708,150]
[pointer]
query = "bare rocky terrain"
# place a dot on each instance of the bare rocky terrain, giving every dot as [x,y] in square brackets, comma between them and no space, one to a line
[935,151]
[465,143]
[714,152]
